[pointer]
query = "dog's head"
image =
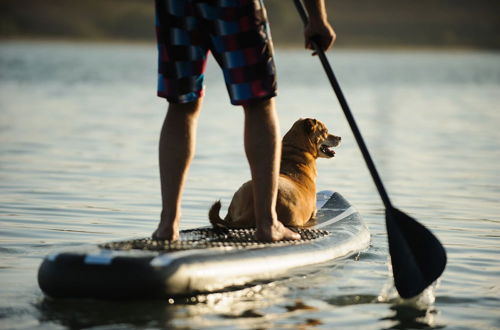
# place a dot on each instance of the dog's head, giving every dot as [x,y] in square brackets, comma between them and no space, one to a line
[312,135]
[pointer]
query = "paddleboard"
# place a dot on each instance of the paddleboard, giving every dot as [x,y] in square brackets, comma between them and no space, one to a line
[204,260]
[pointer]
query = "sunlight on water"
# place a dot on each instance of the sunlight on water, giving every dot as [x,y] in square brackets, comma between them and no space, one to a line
[79,125]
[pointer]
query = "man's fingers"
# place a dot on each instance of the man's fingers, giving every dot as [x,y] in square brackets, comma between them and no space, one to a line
[323,43]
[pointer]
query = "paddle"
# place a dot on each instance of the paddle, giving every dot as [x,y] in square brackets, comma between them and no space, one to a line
[417,256]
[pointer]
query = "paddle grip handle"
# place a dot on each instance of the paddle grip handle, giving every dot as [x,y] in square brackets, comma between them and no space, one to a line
[347,111]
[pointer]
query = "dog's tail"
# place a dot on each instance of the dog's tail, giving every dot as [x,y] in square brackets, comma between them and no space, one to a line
[214,217]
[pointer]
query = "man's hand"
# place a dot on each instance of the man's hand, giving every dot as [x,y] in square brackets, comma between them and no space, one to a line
[320,32]
[318,29]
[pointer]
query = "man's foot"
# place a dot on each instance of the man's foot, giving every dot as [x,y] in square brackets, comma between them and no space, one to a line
[167,230]
[276,232]
[169,235]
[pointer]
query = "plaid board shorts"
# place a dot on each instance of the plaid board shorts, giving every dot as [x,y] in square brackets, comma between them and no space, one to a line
[237,34]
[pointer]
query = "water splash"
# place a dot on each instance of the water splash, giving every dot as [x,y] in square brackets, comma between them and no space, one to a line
[389,294]
[415,312]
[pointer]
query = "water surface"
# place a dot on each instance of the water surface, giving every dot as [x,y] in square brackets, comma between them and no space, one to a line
[79,125]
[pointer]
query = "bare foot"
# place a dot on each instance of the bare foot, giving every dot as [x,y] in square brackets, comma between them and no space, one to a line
[167,231]
[276,232]
[169,235]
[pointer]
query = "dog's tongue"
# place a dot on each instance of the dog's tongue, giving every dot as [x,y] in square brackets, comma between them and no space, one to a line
[328,150]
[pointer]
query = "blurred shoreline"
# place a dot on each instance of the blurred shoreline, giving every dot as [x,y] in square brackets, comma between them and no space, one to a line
[393,24]
[278,47]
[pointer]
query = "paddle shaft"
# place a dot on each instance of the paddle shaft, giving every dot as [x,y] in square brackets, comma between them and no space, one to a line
[347,113]
[417,256]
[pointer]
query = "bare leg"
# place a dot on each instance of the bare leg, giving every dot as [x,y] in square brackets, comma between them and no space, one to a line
[176,151]
[263,150]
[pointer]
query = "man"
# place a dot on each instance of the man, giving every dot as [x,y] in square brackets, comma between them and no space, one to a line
[236,33]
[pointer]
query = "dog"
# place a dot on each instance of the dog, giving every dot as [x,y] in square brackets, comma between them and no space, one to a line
[307,140]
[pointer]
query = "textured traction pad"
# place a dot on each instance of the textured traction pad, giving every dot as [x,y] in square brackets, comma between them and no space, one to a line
[204,238]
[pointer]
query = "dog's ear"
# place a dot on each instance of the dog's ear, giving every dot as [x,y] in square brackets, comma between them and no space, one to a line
[310,125]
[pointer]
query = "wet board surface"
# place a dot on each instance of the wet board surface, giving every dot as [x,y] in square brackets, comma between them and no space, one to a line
[204,259]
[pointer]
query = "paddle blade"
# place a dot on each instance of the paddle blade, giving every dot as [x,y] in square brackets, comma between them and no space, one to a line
[418,258]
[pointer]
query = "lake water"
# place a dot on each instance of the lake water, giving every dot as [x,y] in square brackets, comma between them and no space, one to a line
[79,125]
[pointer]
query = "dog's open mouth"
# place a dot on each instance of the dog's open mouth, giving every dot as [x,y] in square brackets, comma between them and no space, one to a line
[327,150]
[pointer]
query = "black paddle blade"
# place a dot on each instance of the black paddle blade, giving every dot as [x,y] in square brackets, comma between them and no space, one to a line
[418,258]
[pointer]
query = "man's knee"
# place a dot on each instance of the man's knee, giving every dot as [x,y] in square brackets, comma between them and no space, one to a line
[260,107]
[190,109]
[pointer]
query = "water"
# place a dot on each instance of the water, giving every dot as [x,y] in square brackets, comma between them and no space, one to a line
[79,125]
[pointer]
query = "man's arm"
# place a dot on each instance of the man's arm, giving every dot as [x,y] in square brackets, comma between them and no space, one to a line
[318,26]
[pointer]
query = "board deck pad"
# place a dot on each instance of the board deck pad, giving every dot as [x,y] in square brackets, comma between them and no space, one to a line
[203,260]
[205,238]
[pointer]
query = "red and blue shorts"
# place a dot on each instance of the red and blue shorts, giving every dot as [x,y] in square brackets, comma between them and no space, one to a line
[234,31]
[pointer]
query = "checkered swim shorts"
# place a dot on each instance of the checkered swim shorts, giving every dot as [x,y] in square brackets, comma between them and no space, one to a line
[237,34]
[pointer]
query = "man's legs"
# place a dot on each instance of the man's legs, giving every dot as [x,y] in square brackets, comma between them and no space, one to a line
[176,150]
[263,150]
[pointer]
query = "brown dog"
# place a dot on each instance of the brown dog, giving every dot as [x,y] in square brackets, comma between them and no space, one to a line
[307,140]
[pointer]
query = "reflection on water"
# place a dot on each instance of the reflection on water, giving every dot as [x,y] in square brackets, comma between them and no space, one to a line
[262,305]
[411,318]
[79,125]
[231,307]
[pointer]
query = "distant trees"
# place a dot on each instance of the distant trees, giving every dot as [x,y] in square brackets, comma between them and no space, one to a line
[359,23]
